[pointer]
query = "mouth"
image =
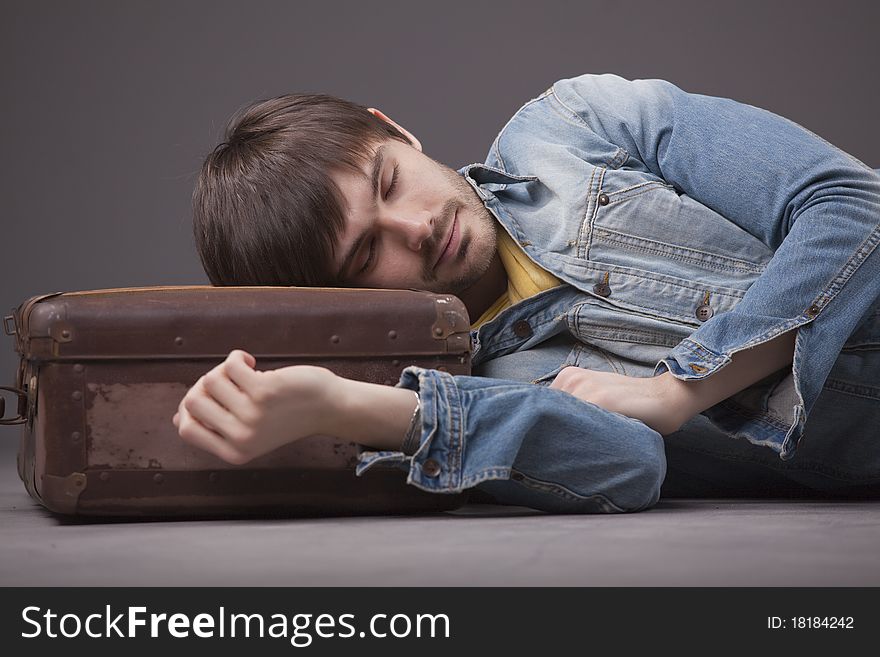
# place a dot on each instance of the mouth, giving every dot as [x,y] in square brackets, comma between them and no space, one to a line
[450,246]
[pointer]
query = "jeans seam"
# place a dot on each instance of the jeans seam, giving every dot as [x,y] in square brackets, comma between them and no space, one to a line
[559,490]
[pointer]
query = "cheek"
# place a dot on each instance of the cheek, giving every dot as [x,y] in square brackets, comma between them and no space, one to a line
[397,270]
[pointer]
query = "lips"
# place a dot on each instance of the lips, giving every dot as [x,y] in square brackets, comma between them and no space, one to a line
[451,242]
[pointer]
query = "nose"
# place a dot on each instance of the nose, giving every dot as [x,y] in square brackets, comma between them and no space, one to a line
[414,227]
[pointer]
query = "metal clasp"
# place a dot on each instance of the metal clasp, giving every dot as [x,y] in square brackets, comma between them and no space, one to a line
[22,404]
[6,327]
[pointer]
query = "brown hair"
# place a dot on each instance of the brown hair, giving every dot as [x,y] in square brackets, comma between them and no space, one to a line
[265,210]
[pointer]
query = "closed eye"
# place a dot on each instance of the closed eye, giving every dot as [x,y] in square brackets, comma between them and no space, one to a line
[370,257]
[393,184]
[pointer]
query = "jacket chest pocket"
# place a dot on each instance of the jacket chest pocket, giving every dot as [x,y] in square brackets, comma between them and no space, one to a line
[635,220]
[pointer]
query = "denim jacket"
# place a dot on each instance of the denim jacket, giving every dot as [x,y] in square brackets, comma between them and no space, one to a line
[686,228]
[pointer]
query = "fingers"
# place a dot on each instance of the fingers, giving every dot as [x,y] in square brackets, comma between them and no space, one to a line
[195,433]
[218,385]
[214,413]
[239,367]
[564,378]
[200,405]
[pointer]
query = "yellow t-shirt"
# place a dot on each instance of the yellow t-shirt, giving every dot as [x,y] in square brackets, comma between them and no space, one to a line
[524,278]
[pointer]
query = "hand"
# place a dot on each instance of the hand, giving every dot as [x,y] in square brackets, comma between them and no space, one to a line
[648,399]
[238,413]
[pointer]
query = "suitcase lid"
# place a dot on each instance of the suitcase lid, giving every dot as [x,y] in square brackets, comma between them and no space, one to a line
[204,321]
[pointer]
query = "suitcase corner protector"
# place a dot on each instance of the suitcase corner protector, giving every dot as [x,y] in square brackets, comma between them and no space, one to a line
[61,493]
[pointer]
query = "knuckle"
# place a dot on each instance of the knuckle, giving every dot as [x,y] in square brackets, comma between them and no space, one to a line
[262,395]
[250,416]
[242,435]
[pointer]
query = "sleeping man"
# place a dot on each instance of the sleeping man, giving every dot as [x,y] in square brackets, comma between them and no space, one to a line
[670,293]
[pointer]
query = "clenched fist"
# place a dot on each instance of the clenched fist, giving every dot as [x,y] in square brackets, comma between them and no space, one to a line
[239,413]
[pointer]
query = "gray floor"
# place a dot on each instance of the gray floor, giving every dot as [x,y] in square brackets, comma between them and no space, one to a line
[678,543]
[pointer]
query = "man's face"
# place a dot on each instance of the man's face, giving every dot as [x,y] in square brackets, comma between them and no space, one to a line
[424,228]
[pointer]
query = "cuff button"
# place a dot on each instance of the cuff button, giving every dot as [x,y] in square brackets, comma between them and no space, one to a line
[431,468]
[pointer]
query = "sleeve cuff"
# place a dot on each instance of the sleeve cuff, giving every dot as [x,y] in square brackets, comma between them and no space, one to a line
[437,444]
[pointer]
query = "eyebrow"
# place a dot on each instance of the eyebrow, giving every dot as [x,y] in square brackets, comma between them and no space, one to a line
[375,172]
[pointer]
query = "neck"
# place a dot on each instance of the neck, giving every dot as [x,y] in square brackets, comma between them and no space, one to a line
[482,294]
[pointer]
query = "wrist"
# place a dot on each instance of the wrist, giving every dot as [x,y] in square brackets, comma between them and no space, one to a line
[678,397]
[373,415]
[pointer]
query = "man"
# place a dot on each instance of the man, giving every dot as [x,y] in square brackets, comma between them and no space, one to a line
[656,278]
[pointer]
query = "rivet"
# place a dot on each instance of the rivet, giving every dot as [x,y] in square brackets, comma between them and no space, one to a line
[334,339]
[158,478]
[77,395]
[104,476]
[438,330]
[75,436]
[178,341]
[65,333]
[813,310]
[78,368]
[603,199]
[392,335]
[78,482]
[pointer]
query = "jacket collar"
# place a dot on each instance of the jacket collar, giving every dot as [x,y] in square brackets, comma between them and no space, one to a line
[486,179]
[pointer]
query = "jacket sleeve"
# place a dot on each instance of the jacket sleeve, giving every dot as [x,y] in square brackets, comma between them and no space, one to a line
[527,445]
[815,206]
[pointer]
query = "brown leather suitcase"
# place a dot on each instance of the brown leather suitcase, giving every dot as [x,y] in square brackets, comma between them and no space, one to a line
[103,371]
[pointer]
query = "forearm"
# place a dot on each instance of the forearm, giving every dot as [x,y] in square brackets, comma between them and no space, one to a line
[745,368]
[370,414]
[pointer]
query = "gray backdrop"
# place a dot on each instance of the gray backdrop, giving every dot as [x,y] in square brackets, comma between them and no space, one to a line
[109,107]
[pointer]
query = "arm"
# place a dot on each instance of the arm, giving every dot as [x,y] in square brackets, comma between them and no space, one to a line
[535,446]
[817,207]
[664,402]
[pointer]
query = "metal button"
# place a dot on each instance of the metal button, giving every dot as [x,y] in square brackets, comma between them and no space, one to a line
[431,468]
[704,312]
[522,329]
[603,199]
[602,289]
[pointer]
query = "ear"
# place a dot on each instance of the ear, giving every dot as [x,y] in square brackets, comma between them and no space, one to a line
[415,142]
